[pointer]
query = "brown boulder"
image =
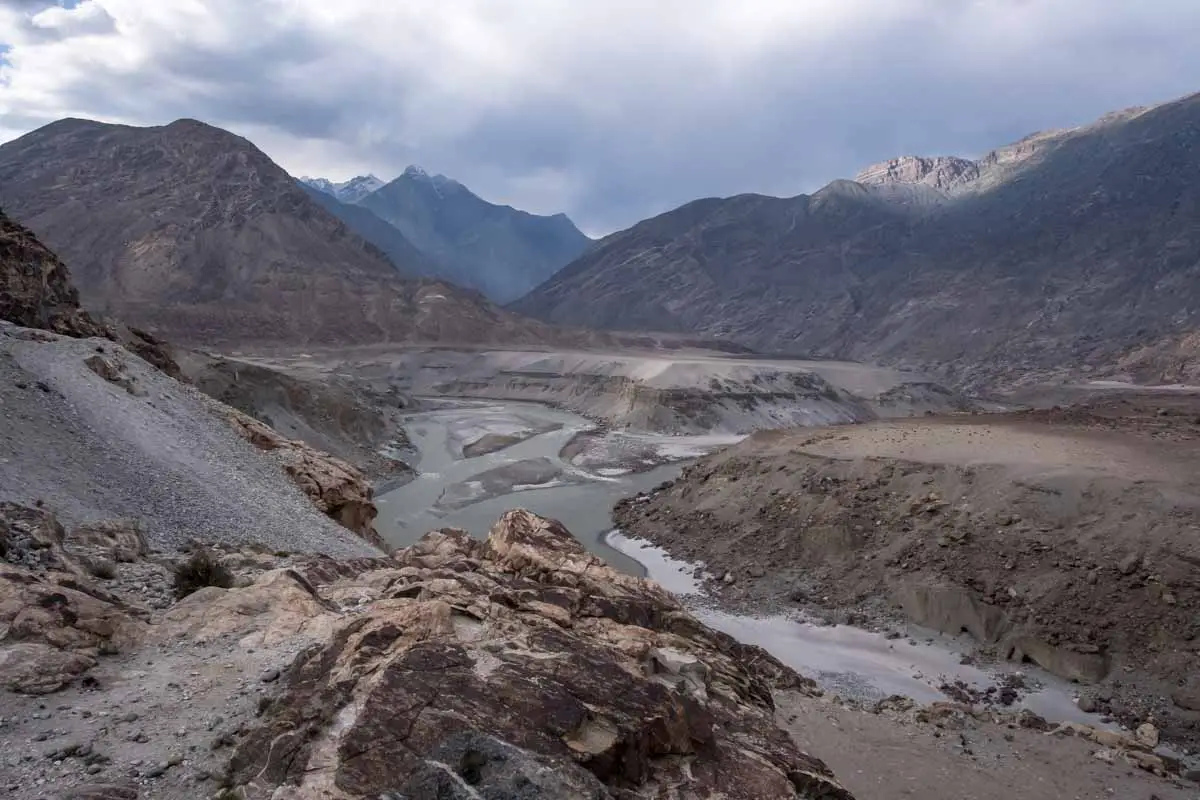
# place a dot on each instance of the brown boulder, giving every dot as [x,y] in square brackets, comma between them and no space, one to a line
[280,606]
[531,650]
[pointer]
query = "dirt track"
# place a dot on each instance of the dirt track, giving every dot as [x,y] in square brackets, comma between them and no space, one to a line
[1070,538]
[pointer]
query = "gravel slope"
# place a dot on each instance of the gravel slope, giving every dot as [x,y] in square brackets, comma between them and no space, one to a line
[93,448]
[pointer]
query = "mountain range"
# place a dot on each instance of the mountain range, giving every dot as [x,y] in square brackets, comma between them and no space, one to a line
[195,233]
[1075,247]
[434,226]
[350,191]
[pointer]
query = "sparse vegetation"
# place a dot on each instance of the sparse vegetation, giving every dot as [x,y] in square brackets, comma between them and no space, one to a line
[199,570]
[102,568]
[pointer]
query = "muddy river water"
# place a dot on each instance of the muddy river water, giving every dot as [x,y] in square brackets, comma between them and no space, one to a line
[515,458]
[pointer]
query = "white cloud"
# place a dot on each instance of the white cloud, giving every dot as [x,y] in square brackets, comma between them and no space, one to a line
[607,109]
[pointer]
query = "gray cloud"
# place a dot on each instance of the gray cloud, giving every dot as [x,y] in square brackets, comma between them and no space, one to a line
[594,108]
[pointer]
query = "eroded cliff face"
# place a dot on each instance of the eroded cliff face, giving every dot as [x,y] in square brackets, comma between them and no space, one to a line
[36,292]
[517,667]
[35,286]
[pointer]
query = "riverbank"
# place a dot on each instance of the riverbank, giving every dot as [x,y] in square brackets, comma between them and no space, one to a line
[945,726]
[866,666]
[1063,538]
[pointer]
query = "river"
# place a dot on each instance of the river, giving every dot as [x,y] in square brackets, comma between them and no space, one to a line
[472,491]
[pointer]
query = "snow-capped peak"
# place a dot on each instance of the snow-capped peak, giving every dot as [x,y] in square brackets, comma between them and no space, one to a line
[350,191]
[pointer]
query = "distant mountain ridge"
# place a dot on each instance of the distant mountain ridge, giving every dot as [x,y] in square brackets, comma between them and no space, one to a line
[1064,251]
[194,232]
[499,250]
[350,191]
[405,257]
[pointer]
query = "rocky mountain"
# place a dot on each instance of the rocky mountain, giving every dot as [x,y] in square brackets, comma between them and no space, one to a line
[350,191]
[193,231]
[1069,248]
[499,250]
[405,257]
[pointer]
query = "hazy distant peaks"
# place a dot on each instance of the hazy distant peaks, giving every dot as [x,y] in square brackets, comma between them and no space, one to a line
[350,191]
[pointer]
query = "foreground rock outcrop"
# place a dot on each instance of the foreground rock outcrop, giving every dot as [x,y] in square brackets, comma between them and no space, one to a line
[519,667]
[55,620]
[527,640]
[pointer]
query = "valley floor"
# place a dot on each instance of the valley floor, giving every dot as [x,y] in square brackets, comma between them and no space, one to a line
[1066,538]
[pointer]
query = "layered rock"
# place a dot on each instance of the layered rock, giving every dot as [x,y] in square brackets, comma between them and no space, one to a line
[523,654]
[939,172]
[55,621]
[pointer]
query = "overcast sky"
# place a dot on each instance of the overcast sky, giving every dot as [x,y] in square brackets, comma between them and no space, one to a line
[609,110]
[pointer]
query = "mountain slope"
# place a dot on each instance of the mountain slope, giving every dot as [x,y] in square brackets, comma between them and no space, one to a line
[1068,248]
[499,250]
[194,231]
[407,259]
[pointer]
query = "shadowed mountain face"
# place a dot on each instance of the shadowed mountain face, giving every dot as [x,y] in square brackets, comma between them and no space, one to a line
[405,257]
[496,249]
[195,232]
[1066,249]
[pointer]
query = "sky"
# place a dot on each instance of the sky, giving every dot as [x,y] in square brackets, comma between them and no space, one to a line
[608,110]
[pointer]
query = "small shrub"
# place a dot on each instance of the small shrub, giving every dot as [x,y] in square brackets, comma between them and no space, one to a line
[102,568]
[201,569]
